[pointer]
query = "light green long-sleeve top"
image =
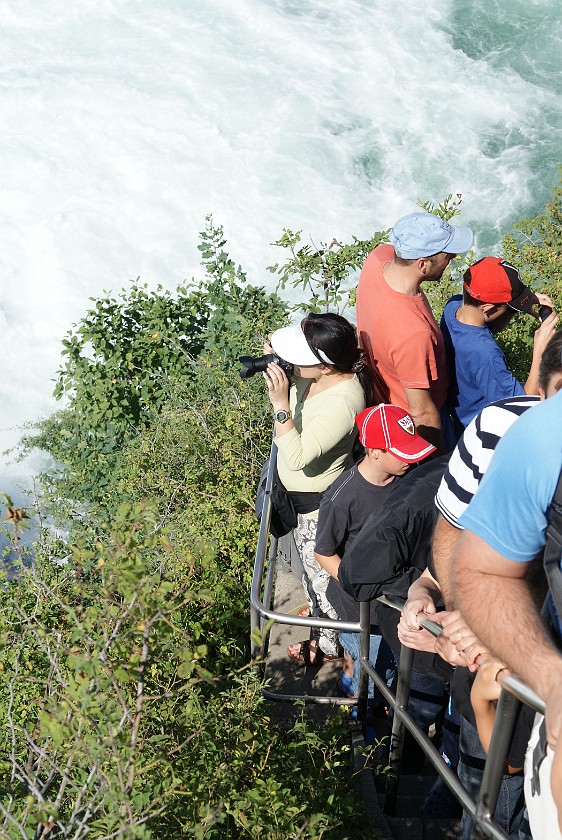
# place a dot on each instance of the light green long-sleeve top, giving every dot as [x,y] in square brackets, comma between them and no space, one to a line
[313,454]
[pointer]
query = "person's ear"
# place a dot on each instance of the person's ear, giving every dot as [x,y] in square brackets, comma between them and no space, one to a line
[423,264]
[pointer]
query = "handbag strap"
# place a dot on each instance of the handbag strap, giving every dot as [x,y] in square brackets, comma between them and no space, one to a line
[553,548]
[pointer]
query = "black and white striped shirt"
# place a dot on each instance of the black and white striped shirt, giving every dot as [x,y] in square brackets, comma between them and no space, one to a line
[473,454]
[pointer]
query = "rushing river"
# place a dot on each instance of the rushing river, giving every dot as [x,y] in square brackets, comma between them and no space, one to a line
[124,122]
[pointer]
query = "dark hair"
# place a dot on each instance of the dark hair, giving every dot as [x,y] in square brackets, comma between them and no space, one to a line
[402,261]
[551,361]
[468,300]
[336,338]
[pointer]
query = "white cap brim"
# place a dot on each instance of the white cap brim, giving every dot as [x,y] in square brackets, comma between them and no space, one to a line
[290,344]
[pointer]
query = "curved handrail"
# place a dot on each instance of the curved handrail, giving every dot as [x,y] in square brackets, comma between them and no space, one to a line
[511,682]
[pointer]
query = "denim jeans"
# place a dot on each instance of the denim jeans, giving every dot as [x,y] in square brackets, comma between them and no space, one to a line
[510,808]
[380,657]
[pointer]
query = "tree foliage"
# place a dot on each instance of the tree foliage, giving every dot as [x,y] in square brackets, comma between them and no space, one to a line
[535,248]
[324,272]
[117,720]
[126,357]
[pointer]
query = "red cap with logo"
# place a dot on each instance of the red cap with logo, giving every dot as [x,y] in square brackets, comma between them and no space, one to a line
[493,280]
[390,427]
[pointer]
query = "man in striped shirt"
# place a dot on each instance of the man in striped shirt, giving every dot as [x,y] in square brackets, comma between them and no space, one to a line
[462,478]
[466,468]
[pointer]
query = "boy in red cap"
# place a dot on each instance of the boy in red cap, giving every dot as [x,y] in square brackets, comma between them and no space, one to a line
[391,444]
[492,294]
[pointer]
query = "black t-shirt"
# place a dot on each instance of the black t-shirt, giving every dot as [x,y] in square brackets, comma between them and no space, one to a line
[345,507]
[394,545]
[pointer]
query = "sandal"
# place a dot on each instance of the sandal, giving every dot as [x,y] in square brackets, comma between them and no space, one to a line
[310,654]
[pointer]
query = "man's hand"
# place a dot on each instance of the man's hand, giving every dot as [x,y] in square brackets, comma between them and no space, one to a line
[447,651]
[423,596]
[419,639]
[415,609]
[458,634]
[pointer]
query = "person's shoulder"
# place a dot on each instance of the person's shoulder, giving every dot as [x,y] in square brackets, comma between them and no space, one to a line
[473,454]
[454,303]
[518,487]
[531,447]
[420,482]
[372,267]
[540,426]
[534,441]
[381,254]
[352,391]
[495,419]
[340,486]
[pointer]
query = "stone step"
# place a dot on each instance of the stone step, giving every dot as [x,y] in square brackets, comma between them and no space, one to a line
[288,678]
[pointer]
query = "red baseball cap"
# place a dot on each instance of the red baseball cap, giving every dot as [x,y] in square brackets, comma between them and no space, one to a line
[493,280]
[390,427]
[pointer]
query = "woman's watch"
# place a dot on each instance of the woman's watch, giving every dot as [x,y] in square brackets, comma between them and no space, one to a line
[282,416]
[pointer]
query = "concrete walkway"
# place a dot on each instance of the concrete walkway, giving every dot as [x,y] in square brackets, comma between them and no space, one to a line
[286,677]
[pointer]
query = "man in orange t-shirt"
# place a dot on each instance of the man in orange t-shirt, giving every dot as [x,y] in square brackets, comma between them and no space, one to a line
[397,330]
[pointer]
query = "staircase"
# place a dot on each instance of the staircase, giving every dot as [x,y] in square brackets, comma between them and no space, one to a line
[287,677]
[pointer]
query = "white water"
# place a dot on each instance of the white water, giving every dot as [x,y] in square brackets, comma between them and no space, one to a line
[124,123]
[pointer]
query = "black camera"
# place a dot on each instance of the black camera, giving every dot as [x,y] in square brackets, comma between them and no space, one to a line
[544,312]
[257,364]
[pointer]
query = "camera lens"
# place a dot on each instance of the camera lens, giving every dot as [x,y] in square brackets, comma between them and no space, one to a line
[255,364]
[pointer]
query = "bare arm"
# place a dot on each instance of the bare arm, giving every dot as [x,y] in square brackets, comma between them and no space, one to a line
[425,416]
[495,599]
[445,539]
[423,596]
[330,563]
[485,692]
[540,339]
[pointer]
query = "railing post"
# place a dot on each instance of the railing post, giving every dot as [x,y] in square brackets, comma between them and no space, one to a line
[504,723]
[364,652]
[398,728]
[263,539]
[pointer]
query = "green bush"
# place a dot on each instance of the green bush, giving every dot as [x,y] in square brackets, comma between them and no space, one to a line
[118,720]
[125,359]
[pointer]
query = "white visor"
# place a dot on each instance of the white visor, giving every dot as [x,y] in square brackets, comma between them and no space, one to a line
[291,345]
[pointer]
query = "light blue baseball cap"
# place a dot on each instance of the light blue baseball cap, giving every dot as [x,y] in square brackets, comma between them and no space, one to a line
[423,234]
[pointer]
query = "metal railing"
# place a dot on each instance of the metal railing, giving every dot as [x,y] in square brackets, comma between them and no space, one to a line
[514,691]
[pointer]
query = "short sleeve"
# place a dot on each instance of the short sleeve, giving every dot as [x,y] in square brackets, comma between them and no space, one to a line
[332,529]
[509,511]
